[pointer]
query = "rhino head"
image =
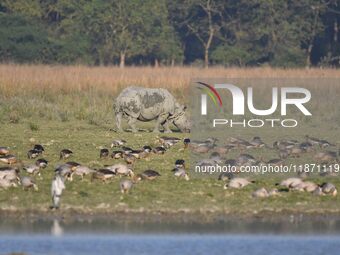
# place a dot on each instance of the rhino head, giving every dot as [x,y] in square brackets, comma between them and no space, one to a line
[180,118]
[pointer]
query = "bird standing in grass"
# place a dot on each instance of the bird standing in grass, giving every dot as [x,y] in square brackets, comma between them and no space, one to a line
[32,169]
[307,186]
[125,186]
[82,171]
[39,147]
[329,189]
[145,152]
[260,193]
[257,142]
[8,159]
[104,153]
[9,173]
[64,171]
[290,182]
[5,184]
[42,163]
[237,183]
[28,182]
[149,174]
[103,174]
[181,173]
[121,170]
[57,188]
[117,154]
[186,142]
[159,150]
[4,151]
[33,153]
[65,153]
[180,163]
[168,141]
[226,176]
[117,142]
[129,159]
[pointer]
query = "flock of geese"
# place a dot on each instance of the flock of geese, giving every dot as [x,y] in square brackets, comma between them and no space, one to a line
[328,160]
[10,175]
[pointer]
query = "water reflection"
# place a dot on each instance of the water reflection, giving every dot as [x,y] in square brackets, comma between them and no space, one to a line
[56,229]
[61,226]
[97,236]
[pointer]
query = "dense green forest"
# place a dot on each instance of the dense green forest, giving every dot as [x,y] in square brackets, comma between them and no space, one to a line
[283,33]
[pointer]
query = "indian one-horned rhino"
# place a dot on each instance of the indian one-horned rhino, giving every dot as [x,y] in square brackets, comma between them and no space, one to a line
[146,104]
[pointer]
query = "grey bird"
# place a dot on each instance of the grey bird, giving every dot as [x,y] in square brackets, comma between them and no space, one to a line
[42,163]
[117,154]
[257,142]
[82,171]
[180,163]
[8,159]
[149,174]
[260,193]
[27,183]
[181,173]
[103,174]
[4,151]
[291,182]
[64,171]
[9,173]
[237,183]
[306,186]
[33,153]
[246,159]
[104,153]
[226,176]
[32,169]
[329,189]
[117,142]
[5,184]
[65,153]
[121,169]
[125,186]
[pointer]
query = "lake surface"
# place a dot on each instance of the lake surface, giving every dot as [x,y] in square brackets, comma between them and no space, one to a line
[255,237]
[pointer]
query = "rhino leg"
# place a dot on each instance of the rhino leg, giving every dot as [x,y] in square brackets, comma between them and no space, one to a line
[160,120]
[166,126]
[132,122]
[119,116]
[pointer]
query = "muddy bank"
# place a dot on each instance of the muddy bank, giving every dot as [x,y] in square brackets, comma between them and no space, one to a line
[168,216]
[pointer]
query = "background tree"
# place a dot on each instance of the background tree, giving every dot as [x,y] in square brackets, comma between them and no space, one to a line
[23,40]
[202,19]
[138,32]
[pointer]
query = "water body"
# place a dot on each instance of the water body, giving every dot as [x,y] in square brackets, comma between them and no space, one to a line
[104,237]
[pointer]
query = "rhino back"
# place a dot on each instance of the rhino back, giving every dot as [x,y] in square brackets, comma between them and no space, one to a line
[156,102]
[145,103]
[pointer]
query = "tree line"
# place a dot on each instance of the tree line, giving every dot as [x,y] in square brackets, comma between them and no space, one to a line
[283,33]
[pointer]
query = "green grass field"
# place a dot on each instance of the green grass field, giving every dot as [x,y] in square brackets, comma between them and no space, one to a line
[163,194]
[71,107]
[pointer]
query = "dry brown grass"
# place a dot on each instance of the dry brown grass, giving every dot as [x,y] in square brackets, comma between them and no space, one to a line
[86,93]
[111,79]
